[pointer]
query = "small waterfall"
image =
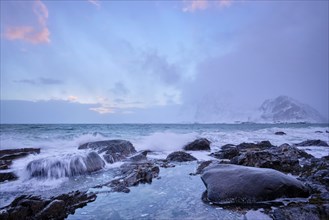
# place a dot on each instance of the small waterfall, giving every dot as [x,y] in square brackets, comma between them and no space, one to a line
[69,165]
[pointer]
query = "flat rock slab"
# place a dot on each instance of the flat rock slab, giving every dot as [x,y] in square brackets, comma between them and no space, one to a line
[233,184]
[12,154]
[312,143]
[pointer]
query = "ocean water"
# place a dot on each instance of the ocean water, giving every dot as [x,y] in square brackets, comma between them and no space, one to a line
[60,141]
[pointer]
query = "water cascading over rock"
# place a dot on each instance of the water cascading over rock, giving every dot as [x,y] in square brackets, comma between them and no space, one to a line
[67,166]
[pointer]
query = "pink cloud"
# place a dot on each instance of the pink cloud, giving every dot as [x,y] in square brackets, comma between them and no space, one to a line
[18,33]
[95,2]
[41,11]
[72,98]
[32,34]
[195,5]
[225,3]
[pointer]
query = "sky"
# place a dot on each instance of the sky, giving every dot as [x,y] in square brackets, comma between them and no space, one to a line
[93,61]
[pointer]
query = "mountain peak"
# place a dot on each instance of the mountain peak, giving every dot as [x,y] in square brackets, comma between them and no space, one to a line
[287,109]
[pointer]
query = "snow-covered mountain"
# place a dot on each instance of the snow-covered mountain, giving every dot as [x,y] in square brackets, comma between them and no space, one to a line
[286,109]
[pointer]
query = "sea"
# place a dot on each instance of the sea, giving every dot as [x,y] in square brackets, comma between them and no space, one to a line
[175,195]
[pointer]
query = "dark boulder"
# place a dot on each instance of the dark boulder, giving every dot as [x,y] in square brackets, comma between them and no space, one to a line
[280,133]
[312,143]
[114,150]
[7,176]
[231,152]
[35,207]
[284,158]
[198,144]
[65,166]
[226,153]
[232,184]
[180,156]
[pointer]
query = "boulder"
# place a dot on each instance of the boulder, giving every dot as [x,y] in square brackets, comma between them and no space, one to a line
[280,133]
[114,150]
[198,144]
[284,158]
[312,143]
[65,166]
[180,156]
[233,184]
[35,207]
[226,153]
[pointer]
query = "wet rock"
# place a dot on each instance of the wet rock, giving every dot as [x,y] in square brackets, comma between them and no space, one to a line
[312,143]
[8,155]
[51,210]
[316,170]
[203,165]
[164,163]
[284,158]
[115,150]
[180,156]
[226,153]
[5,164]
[36,207]
[197,145]
[7,176]
[301,211]
[232,184]
[254,146]
[231,152]
[133,174]
[227,146]
[280,133]
[12,154]
[139,157]
[65,166]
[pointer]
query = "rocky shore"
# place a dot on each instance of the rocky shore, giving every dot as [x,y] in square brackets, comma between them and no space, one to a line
[284,182]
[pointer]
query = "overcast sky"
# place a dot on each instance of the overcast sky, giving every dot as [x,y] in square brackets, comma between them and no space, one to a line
[158,61]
